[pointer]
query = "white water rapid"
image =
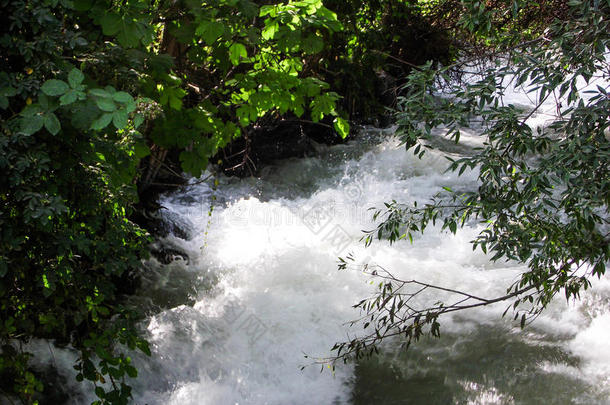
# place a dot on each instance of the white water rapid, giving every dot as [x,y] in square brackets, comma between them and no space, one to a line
[238,314]
[277,294]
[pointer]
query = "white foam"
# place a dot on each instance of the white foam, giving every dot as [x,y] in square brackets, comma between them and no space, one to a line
[277,277]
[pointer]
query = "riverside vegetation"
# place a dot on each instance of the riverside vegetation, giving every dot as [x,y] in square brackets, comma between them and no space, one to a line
[97,96]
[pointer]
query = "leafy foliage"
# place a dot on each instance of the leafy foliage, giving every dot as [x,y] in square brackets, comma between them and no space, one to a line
[86,89]
[367,62]
[542,191]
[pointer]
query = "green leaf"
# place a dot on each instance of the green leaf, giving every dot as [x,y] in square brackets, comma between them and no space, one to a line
[54,87]
[312,44]
[175,98]
[321,105]
[268,10]
[100,93]
[122,97]
[51,123]
[141,150]
[82,5]
[43,101]
[236,52]
[105,104]
[102,122]
[341,126]
[3,102]
[8,91]
[129,36]
[119,118]
[144,347]
[99,391]
[75,77]
[131,371]
[111,23]
[68,98]
[31,125]
[130,106]
[31,110]
[128,31]
[138,120]
[210,31]
[270,30]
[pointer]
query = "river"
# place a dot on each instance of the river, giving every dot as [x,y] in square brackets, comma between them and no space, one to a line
[234,315]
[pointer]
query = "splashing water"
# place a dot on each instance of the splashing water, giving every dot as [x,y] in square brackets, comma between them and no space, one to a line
[277,294]
[233,319]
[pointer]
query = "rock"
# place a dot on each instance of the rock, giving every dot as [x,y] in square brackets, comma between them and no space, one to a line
[264,145]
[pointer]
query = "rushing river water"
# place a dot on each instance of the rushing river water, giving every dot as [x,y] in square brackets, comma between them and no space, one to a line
[235,314]
[266,289]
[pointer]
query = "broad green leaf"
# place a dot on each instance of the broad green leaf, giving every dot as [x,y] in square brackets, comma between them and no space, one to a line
[210,31]
[243,113]
[55,87]
[31,125]
[129,35]
[298,110]
[131,371]
[130,106]
[330,19]
[119,118]
[31,110]
[312,44]
[68,98]
[270,30]
[75,77]
[105,104]
[236,52]
[341,126]
[175,102]
[141,149]
[122,97]
[51,123]
[268,10]
[138,120]
[321,105]
[3,102]
[128,32]
[102,122]
[111,23]
[44,102]
[100,93]
[248,8]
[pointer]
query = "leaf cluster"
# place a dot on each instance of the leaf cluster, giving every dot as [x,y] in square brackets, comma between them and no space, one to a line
[542,192]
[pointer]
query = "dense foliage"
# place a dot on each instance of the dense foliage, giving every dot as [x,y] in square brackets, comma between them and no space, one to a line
[543,191]
[93,95]
[87,88]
